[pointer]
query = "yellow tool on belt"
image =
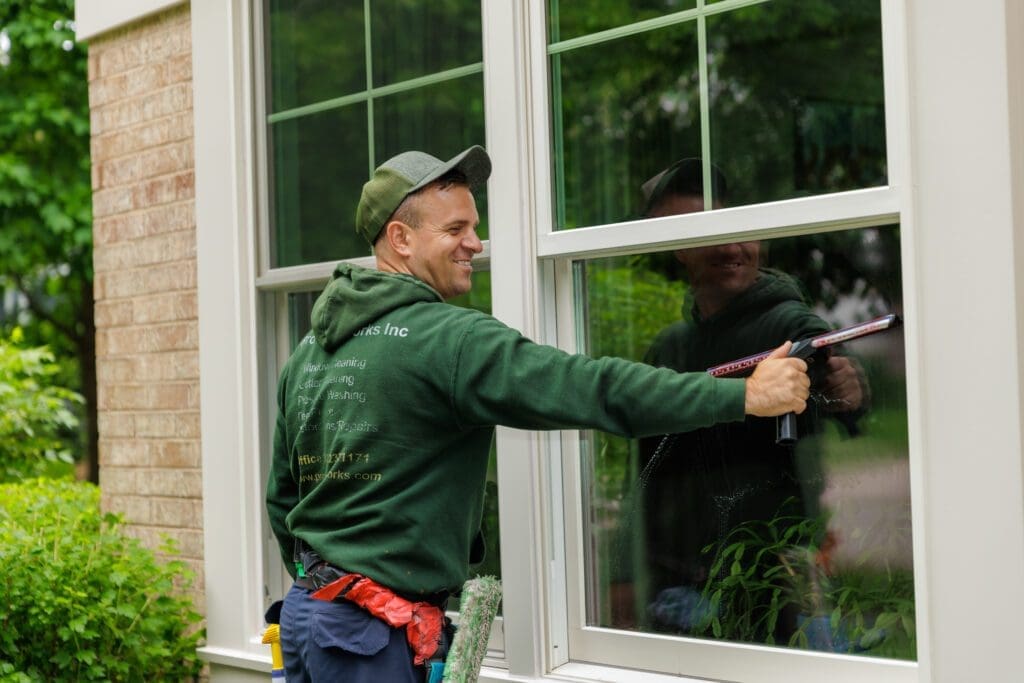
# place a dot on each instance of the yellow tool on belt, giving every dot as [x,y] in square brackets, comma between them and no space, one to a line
[272,637]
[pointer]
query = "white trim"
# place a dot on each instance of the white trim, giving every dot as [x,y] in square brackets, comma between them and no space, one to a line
[966,160]
[839,211]
[520,454]
[232,499]
[94,17]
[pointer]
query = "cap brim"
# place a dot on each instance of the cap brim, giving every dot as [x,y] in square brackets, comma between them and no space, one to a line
[474,163]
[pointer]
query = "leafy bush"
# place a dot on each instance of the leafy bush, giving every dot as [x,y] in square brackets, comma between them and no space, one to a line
[36,419]
[82,600]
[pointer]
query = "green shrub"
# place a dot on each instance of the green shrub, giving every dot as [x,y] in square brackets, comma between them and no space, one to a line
[36,419]
[82,600]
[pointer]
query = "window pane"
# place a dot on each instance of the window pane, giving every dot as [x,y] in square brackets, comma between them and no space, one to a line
[571,18]
[797,104]
[316,51]
[721,532]
[412,39]
[793,97]
[320,165]
[613,110]
[441,119]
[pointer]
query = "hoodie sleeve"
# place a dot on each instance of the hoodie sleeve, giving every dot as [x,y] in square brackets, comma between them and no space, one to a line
[501,377]
[282,489]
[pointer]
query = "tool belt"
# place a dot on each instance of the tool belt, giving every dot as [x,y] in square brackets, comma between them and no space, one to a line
[424,621]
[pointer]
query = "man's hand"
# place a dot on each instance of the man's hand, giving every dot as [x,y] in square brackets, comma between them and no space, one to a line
[843,386]
[779,385]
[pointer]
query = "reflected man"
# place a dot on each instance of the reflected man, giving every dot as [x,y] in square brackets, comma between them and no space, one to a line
[699,485]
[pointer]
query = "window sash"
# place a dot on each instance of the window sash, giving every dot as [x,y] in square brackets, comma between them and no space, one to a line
[542,259]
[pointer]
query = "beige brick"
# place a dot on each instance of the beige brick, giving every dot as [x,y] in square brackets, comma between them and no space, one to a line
[189,542]
[171,483]
[173,128]
[113,313]
[178,512]
[164,277]
[156,220]
[153,425]
[119,114]
[162,425]
[114,425]
[135,509]
[112,201]
[149,250]
[188,424]
[164,190]
[180,305]
[128,453]
[179,454]
[121,397]
[120,341]
[170,365]
[117,480]
[151,163]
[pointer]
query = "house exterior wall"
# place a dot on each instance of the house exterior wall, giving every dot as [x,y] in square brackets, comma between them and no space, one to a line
[140,97]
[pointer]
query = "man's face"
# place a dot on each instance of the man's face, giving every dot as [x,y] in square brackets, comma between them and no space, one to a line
[445,242]
[717,273]
[722,271]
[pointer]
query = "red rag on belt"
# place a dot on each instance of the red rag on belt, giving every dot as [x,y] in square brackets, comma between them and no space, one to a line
[422,621]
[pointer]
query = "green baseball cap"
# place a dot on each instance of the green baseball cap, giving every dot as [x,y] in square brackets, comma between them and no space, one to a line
[401,175]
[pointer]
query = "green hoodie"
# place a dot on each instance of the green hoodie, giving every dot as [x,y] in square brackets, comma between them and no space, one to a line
[387,412]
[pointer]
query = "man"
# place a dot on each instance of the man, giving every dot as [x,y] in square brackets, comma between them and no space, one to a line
[704,483]
[387,412]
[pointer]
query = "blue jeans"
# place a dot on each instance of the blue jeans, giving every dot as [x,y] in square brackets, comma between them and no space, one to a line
[341,642]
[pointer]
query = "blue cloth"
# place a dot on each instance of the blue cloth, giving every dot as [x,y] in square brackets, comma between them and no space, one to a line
[341,642]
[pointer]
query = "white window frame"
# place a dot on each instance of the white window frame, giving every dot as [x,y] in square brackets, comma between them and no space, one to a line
[955,112]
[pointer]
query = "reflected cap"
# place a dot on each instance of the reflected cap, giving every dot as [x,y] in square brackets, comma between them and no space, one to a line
[404,174]
[684,177]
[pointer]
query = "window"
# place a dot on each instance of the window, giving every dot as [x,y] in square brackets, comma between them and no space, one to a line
[720,535]
[777,111]
[347,86]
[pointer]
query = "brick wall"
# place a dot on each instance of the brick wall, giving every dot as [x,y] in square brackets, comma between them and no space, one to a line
[140,96]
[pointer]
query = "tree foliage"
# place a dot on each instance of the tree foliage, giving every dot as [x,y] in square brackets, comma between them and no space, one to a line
[36,417]
[45,188]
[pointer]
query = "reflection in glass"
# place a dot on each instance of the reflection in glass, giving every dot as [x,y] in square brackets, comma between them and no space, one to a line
[721,533]
[626,109]
[412,39]
[315,51]
[797,102]
[794,98]
[441,119]
[574,18]
[319,169]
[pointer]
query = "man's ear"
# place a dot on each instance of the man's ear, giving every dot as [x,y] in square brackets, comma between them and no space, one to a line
[397,235]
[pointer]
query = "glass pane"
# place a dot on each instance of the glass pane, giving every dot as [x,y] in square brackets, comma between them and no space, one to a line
[571,19]
[441,119]
[319,167]
[316,51]
[797,104]
[722,532]
[623,111]
[431,37]
[795,107]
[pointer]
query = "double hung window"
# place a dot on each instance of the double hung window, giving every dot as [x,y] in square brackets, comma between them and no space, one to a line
[675,158]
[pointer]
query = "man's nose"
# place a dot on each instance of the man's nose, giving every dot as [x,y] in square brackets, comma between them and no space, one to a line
[472,242]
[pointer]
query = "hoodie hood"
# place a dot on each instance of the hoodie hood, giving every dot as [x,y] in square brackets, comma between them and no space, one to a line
[356,296]
[771,288]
